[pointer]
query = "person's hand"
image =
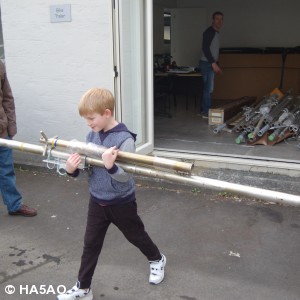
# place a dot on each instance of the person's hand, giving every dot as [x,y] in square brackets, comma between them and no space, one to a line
[109,156]
[216,68]
[73,163]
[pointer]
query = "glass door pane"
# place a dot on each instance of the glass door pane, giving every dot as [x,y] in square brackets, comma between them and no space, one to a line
[135,103]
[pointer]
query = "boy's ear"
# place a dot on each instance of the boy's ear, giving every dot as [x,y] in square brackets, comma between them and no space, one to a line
[107,113]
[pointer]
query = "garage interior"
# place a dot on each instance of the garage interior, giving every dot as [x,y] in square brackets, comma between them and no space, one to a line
[254,63]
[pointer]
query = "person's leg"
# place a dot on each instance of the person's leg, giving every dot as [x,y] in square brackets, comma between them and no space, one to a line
[207,77]
[210,87]
[11,197]
[96,227]
[125,217]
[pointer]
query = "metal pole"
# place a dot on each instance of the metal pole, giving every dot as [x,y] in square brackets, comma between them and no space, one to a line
[218,185]
[195,181]
[83,148]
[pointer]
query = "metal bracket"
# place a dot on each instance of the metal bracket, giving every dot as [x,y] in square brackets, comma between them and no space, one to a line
[45,139]
[53,162]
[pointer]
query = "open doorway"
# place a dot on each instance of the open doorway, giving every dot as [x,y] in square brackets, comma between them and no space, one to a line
[177,126]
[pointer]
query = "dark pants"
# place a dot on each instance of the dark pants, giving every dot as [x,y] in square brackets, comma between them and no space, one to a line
[125,217]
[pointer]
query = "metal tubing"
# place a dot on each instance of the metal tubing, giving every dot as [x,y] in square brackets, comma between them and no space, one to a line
[263,130]
[250,128]
[219,128]
[275,134]
[241,137]
[218,185]
[202,182]
[131,157]
[252,135]
[20,146]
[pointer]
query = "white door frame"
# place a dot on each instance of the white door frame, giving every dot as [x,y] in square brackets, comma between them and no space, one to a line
[146,128]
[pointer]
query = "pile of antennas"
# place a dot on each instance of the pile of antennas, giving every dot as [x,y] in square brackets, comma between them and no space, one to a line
[273,119]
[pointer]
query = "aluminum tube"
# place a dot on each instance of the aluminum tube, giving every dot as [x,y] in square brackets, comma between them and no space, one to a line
[219,185]
[263,130]
[255,119]
[242,137]
[197,181]
[276,110]
[249,128]
[219,128]
[275,134]
[252,135]
[20,146]
[239,125]
[282,133]
[134,157]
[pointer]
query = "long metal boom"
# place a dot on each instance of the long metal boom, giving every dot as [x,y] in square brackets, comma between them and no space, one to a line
[83,148]
[195,181]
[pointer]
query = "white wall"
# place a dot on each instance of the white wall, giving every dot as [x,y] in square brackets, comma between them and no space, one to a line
[255,23]
[186,43]
[50,65]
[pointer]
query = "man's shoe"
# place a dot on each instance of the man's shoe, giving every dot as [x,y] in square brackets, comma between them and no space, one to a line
[24,211]
[76,293]
[205,116]
[157,270]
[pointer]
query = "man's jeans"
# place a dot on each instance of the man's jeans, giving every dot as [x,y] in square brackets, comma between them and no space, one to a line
[11,197]
[208,76]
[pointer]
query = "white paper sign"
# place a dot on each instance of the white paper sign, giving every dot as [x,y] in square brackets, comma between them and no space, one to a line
[60,13]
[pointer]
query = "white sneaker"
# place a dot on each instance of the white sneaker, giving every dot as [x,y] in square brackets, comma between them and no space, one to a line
[76,293]
[157,270]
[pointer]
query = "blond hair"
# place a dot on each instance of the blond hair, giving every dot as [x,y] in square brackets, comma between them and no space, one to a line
[96,100]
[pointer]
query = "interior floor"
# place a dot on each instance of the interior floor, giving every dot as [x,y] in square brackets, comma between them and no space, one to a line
[180,128]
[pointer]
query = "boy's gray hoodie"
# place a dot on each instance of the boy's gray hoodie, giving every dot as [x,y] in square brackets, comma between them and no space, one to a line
[112,186]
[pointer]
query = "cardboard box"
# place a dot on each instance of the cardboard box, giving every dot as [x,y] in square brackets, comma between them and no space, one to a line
[215,116]
[228,110]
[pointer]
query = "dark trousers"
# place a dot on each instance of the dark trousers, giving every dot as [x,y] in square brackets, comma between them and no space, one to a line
[125,217]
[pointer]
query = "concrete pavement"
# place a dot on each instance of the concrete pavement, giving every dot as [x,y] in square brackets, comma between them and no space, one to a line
[218,246]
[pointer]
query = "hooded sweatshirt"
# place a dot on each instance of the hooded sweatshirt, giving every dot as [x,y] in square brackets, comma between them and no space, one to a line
[113,186]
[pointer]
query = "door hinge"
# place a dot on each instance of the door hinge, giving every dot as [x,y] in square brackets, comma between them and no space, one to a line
[116,71]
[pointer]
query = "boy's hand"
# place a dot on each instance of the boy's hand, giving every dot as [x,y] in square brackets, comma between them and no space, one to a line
[109,156]
[73,163]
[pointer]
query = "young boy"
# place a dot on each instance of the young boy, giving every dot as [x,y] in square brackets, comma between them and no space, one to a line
[112,194]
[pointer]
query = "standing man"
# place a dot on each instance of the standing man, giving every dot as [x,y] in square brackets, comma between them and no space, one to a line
[8,128]
[209,61]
